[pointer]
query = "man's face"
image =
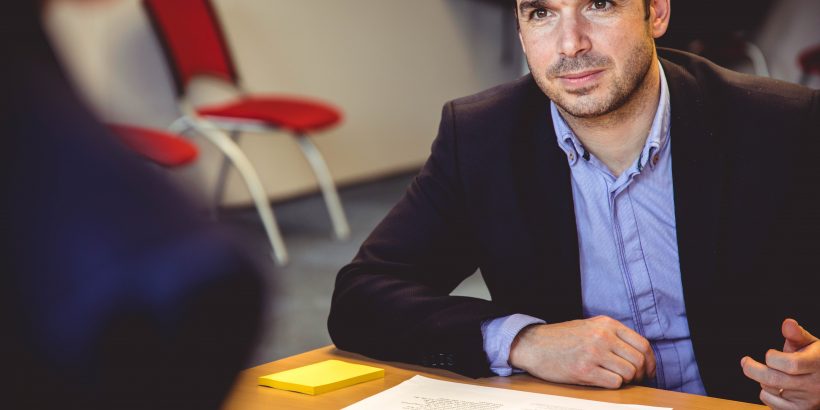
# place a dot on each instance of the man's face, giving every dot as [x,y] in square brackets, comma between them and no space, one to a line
[589,57]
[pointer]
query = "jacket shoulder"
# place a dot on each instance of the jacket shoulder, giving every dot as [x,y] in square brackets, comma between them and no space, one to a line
[498,103]
[724,89]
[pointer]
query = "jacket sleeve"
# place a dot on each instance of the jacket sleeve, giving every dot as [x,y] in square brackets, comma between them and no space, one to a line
[392,302]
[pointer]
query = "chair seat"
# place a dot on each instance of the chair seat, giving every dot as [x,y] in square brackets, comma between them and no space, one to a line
[294,114]
[160,147]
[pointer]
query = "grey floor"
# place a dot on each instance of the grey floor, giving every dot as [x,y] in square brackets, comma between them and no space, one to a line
[300,293]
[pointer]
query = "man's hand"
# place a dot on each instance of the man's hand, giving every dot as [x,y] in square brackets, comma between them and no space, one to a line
[790,379]
[599,351]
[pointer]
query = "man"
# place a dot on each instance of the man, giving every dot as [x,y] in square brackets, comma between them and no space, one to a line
[636,220]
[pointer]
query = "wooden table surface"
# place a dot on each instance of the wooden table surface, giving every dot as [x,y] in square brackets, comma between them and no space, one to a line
[247,395]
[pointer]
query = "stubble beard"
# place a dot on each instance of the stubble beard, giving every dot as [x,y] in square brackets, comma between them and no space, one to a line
[578,102]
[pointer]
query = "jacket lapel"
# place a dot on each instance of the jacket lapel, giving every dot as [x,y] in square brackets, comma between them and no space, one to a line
[545,198]
[698,169]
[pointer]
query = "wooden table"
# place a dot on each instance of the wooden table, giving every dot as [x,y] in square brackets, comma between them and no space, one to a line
[246,395]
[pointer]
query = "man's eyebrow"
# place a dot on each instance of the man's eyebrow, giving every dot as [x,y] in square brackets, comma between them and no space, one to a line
[530,4]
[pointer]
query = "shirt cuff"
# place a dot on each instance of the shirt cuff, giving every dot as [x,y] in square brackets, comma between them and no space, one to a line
[498,336]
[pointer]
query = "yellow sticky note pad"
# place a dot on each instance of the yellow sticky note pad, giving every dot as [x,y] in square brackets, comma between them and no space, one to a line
[321,377]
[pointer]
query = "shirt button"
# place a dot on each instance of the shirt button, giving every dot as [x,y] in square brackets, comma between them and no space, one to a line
[571,156]
[655,160]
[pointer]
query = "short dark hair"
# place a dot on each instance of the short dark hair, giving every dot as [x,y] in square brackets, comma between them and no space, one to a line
[645,7]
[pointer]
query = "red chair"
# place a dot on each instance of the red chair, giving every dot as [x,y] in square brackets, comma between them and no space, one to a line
[809,61]
[156,146]
[195,46]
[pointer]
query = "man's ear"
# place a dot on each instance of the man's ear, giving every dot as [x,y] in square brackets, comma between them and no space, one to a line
[659,11]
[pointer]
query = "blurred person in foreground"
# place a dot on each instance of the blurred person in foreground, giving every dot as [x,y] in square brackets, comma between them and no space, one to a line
[115,294]
[639,215]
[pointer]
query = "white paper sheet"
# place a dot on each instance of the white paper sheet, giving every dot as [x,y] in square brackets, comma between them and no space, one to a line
[422,393]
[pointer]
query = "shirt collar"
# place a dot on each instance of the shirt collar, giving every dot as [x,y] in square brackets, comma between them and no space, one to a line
[656,141]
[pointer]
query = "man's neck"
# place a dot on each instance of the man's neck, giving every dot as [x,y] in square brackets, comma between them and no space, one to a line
[618,137]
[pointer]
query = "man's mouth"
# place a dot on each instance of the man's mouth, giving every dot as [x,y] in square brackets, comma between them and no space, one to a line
[583,78]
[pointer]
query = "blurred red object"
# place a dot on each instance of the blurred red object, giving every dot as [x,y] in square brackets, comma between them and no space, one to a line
[809,61]
[160,147]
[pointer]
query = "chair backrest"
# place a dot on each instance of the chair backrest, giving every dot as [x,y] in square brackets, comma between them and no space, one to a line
[192,39]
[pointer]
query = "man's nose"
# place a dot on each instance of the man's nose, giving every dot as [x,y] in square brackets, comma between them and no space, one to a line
[573,36]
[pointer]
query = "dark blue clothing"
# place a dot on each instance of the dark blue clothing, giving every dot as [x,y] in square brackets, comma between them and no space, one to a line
[115,292]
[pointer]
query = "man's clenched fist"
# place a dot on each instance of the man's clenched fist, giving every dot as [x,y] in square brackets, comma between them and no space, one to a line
[599,351]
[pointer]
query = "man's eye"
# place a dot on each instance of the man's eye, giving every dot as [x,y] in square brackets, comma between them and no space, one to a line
[600,4]
[539,14]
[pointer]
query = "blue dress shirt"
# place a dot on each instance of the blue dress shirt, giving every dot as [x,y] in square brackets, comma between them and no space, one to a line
[628,253]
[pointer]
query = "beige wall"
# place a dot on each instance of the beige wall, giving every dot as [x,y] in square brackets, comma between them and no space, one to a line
[389,64]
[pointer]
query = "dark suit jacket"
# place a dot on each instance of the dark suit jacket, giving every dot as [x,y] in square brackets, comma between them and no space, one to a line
[495,194]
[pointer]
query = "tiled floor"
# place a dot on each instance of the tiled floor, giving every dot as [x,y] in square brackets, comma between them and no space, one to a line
[300,297]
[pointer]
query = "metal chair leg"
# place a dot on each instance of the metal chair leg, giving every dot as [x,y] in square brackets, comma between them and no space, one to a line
[334,206]
[758,59]
[260,198]
[222,177]
[180,126]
